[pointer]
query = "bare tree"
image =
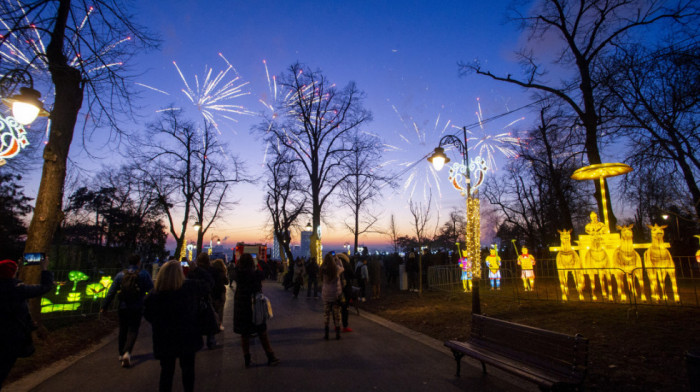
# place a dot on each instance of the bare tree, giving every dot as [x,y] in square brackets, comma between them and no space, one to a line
[393,233]
[421,217]
[659,92]
[94,75]
[216,173]
[314,123]
[285,198]
[587,30]
[363,184]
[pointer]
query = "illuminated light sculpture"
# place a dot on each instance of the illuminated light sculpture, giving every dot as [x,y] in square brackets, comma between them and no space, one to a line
[99,289]
[75,277]
[526,262]
[659,264]
[493,263]
[473,233]
[74,297]
[600,172]
[697,254]
[48,307]
[568,263]
[596,260]
[628,265]
[466,266]
[13,138]
[58,286]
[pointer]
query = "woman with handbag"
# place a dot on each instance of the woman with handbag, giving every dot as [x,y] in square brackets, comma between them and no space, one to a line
[248,283]
[172,310]
[331,292]
[16,323]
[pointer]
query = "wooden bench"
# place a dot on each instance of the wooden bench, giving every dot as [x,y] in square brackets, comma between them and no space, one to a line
[550,359]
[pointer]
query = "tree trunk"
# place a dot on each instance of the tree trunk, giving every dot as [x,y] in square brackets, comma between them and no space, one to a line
[69,98]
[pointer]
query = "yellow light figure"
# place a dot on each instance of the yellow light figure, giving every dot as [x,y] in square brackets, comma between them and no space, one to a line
[600,172]
[493,263]
[568,263]
[526,262]
[659,264]
[597,263]
[627,265]
[466,267]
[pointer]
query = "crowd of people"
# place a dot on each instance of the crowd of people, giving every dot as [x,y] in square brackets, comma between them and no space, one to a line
[184,303]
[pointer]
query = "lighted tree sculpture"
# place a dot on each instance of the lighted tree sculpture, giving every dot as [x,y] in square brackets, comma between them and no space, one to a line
[659,265]
[75,277]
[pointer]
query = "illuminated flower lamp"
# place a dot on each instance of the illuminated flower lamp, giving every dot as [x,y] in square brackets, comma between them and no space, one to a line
[26,106]
[493,263]
[59,285]
[106,281]
[75,277]
[659,265]
[600,172]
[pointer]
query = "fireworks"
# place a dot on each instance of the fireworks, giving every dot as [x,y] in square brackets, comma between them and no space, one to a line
[413,138]
[488,145]
[211,95]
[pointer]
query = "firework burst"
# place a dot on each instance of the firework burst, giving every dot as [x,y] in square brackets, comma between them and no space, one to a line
[418,179]
[489,145]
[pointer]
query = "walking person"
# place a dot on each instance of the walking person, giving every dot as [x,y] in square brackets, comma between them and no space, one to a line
[130,287]
[218,296]
[312,277]
[172,311]
[248,283]
[348,292]
[412,270]
[16,323]
[331,290]
[205,274]
[362,277]
[374,269]
[299,272]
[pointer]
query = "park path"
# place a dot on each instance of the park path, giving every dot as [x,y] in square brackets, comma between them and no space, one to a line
[377,356]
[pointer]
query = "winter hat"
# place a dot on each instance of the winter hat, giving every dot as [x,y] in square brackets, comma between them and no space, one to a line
[8,268]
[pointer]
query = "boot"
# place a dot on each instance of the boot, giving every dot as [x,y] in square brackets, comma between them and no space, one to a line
[337,333]
[271,359]
[326,335]
[246,357]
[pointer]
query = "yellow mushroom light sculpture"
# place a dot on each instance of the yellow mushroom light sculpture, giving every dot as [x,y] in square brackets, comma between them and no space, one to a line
[600,172]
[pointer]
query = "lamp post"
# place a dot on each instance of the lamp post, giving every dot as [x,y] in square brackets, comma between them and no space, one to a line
[472,235]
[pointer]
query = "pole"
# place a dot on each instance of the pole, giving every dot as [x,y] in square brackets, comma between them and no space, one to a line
[476,273]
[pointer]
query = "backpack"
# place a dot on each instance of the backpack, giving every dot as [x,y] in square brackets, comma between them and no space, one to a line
[262,309]
[129,290]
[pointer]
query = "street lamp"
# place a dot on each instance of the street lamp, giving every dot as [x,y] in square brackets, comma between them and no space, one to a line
[473,235]
[197,226]
[26,105]
[308,227]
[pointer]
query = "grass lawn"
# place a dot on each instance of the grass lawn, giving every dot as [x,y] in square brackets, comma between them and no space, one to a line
[628,350]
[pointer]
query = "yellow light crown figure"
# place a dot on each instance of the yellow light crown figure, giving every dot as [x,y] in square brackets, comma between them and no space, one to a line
[568,262]
[659,264]
[526,262]
[466,267]
[628,265]
[493,263]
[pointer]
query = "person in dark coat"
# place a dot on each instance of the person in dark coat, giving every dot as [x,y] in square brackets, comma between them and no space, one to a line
[248,283]
[348,293]
[205,275]
[16,323]
[219,293]
[312,276]
[172,311]
[130,309]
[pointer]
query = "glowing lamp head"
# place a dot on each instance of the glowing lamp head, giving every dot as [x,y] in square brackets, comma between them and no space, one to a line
[438,159]
[197,226]
[26,106]
[308,226]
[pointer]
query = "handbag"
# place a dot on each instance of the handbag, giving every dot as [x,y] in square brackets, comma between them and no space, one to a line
[262,309]
[207,319]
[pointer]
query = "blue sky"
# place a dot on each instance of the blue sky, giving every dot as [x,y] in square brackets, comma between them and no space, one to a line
[402,54]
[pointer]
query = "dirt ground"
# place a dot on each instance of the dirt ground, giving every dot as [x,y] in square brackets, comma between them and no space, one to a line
[629,350]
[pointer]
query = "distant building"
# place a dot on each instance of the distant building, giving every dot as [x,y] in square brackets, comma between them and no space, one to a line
[277,250]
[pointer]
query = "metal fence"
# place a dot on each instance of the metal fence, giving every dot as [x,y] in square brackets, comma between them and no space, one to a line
[673,286]
[77,293]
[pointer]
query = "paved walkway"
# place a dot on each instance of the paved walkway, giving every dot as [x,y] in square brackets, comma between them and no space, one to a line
[378,356]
